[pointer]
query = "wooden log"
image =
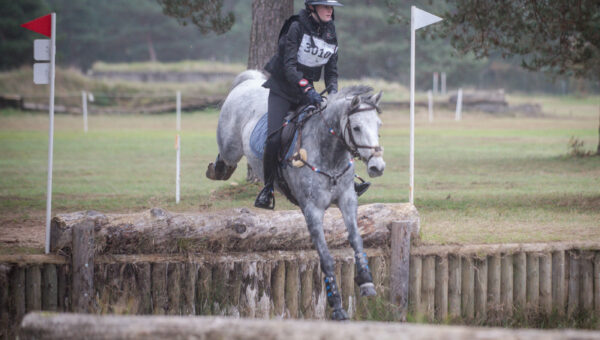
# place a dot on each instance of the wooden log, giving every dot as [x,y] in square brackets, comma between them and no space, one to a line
[347,283]
[204,296]
[49,288]
[234,286]
[533,281]
[573,296]
[502,248]
[586,267]
[278,288]
[428,287]
[414,288]
[174,288]
[17,294]
[454,286]
[481,288]
[494,278]
[320,292]
[307,294]
[143,277]
[506,284]
[467,288]
[82,293]
[64,287]
[4,300]
[597,283]
[400,266]
[292,288]
[546,283]
[158,231]
[188,288]
[263,304]
[520,280]
[377,265]
[77,326]
[33,292]
[558,281]
[248,298]
[441,288]
[160,300]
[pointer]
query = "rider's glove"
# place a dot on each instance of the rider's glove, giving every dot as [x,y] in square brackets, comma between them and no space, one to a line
[313,97]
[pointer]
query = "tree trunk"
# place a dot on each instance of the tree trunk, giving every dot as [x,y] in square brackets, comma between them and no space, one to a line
[150,45]
[267,18]
[598,150]
[158,231]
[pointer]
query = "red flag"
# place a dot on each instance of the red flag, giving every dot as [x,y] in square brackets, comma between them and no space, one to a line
[41,25]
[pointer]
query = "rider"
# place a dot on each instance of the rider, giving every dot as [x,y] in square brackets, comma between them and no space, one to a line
[308,47]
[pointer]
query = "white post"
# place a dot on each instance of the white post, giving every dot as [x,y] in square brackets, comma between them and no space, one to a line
[436,79]
[443,83]
[84,109]
[430,99]
[178,168]
[50,130]
[458,115]
[178,110]
[412,106]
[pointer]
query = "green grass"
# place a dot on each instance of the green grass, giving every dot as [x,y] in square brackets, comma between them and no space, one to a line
[181,66]
[483,180]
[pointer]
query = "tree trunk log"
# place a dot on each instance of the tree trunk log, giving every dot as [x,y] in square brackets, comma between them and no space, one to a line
[533,281]
[546,283]
[573,295]
[454,286]
[414,288]
[520,280]
[158,231]
[4,300]
[267,19]
[292,288]
[558,281]
[278,288]
[33,294]
[400,265]
[17,295]
[494,275]
[506,284]
[50,288]
[481,288]
[597,283]
[203,286]
[441,288]
[82,293]
[76,326]
[428,287]
[467,288]
[586,298]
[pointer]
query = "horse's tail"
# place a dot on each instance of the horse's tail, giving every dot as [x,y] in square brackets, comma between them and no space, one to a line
[247,75]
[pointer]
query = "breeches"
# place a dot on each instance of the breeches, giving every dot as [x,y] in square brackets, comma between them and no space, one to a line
[278,108]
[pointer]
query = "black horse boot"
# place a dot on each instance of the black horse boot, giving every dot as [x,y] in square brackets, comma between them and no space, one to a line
[334,299]
[363,277]
[265,198]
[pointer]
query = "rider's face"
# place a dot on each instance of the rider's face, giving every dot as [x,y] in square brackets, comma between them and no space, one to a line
[324,12]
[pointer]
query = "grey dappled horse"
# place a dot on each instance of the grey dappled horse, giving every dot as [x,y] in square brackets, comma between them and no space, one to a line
[347,127]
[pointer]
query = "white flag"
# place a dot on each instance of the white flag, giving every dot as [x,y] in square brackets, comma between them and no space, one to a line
[420,18]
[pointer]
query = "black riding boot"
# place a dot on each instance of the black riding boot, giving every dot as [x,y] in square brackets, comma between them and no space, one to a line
[265,198]
[334,299]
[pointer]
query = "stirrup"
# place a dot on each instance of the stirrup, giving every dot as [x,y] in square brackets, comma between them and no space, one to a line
[361,187]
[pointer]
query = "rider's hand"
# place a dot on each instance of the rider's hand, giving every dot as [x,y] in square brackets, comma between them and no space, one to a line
[313,97]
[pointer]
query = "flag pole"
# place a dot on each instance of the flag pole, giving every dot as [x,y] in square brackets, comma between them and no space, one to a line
[50,130]
[411,187]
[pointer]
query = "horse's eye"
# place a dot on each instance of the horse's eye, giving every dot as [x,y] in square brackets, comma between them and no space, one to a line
[356,129]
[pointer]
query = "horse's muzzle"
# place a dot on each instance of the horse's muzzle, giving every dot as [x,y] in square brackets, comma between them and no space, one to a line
[375,166]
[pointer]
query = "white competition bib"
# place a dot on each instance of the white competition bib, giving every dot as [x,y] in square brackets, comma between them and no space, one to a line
[313,56]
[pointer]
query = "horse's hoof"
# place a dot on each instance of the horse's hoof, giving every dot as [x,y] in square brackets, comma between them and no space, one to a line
[367,289]
[211,173]
[339,314]
[228,172]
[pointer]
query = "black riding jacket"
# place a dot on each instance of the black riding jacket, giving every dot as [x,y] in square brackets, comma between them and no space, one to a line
[304,51]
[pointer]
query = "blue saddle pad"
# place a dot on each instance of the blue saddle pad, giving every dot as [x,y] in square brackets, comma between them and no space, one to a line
[258,138]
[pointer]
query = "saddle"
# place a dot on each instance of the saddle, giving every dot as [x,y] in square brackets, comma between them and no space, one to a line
[291,140]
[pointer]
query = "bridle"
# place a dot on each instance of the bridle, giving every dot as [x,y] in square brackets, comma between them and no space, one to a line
[378,150]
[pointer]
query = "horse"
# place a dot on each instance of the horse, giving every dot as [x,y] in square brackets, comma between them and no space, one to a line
[347,127]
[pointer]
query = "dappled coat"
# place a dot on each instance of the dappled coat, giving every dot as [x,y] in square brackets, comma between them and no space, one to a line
[304,50]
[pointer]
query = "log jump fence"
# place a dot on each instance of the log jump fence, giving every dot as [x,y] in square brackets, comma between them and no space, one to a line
[247,264]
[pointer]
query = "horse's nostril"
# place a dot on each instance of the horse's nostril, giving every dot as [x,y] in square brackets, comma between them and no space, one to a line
[374,169]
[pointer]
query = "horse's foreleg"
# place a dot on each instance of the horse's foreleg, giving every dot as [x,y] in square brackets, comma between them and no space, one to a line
[348,206]
[314,221]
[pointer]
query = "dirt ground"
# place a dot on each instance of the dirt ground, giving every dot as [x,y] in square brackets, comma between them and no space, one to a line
[25,234]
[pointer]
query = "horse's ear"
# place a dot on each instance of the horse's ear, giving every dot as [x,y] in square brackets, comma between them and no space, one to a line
[377,97]
[355,103]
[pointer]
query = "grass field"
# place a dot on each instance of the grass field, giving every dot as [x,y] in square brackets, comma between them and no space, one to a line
[485,179]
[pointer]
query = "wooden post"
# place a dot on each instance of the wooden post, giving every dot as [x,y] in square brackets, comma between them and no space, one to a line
[248,291]
[278,288]
[454,285]
[546,283]
[506,284]
[203,286]
[494,275]
[50,288]
[348,297]
[143,278]
[520,280]
[428,287]
[307,307]
[292,288]
[586,297]
[558,281]
[481,287]
[573,296]
[414,288]
[82,293]
[234,287]
[320,292]
[4,300]
[17,295]
[188,288]
[400,265]
[263,293]
[441,288]
[160,299]
[64,287]
[533,281]
[467,288]
[597,283]
[33,294]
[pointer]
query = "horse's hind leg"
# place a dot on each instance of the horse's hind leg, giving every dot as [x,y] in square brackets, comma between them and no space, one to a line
[348,206]
[314,221]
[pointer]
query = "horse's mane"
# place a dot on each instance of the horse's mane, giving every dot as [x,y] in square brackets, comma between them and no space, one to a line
[354,90]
